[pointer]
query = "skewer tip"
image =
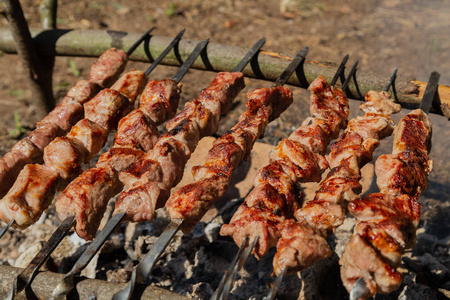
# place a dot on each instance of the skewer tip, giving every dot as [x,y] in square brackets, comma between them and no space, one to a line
[359,290]
[5,229]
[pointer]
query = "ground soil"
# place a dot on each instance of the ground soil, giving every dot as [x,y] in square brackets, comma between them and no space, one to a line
[382,34]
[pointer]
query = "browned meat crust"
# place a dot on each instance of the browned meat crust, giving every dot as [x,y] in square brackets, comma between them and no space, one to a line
[387,221]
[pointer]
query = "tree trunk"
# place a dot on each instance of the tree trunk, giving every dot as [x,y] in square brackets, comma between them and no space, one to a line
[40,79]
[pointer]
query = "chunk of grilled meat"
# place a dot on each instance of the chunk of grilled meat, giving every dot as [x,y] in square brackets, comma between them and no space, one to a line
[387,221]
[327,210]
[192,201]
[149,180]
[29,196]
[64,156]
[300,248]
[108,67]
[276,194]
[136,134]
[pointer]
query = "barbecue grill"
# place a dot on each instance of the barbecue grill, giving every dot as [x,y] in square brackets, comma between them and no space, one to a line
[199,242]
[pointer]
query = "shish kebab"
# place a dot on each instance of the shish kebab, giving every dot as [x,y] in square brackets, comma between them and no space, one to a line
[118,160]
[263,104]
[27,275]
[296,159]
[103,73]
[105,70]
[386,222]
[166,161]
[302,242]
[32,191]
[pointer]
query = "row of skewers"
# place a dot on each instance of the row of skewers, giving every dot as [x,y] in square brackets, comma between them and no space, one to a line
[143,166]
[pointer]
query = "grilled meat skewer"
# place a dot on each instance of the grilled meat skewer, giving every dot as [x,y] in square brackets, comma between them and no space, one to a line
[67,283]
[64,156]
[276,193]
[299,158]
[318,217]
[387,221]
[277,180]
[87,196]
[262,103]
[33,190]
[103,73]
[131,87]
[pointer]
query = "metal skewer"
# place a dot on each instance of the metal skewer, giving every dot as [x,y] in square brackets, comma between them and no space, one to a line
[139,41]
[230,275]
[143,269]
[227,281]
[5,229]
[391,82]
[360,289]
[340,71]
[67,283]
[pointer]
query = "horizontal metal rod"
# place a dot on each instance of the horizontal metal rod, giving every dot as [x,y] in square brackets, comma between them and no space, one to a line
[45,283]
[220,57]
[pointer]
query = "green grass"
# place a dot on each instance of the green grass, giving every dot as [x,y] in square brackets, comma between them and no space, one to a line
[73,68]
[170,11]
[18,129]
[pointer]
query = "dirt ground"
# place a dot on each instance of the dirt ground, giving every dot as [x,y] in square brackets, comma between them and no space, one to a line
[383,34]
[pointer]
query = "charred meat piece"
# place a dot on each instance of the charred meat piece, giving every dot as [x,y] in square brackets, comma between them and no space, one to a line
[136,130]
[131,84]
[106,108]
[300,247]
[159,100]
[66,154]
[97,186]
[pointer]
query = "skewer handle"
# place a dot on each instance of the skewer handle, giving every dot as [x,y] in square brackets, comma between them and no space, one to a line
[340,71]
[276,286]
[28,274]
[249,56]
